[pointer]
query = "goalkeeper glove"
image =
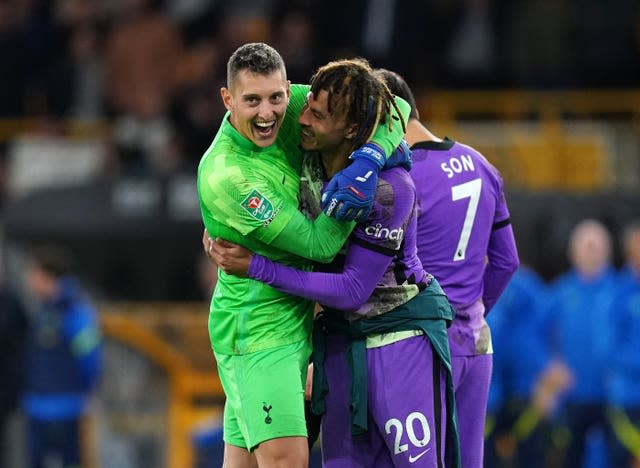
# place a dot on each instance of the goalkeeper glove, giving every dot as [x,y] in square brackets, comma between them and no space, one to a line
[400,157]
[350,193]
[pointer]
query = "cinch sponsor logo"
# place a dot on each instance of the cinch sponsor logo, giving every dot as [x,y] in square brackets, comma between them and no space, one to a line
[380,232]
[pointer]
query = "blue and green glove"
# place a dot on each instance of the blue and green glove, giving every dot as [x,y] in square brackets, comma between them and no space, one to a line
[400,157]
[350,193]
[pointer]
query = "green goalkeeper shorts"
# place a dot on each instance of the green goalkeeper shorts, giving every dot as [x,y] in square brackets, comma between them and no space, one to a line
[264,394]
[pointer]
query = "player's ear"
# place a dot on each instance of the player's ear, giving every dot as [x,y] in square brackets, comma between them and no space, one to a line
[288,89]
[227,99]
[351,131]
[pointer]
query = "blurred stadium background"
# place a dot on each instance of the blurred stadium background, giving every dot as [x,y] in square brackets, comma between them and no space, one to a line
[107,105]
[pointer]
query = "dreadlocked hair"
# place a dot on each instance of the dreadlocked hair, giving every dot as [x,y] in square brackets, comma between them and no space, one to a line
[353,88]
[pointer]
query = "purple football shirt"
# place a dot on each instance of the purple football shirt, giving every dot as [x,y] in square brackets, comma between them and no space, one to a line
[378,268]
[461,205]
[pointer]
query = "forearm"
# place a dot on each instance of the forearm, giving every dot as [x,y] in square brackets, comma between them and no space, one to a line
[90,367]
[503,262]
[347,290]
[318,240]
[388,137]
[85,342]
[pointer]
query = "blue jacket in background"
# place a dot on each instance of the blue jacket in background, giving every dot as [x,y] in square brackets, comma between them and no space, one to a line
[63,356]
[624,381]
[520,352]
[579,319]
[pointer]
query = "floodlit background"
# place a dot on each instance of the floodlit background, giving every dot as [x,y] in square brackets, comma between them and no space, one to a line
[106,107]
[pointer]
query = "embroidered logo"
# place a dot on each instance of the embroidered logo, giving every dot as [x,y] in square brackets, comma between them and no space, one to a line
[413,459]
[266,409]
[258,206]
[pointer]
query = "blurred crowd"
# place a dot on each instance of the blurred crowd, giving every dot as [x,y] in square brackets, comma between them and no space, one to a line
[566,354]
[152,69]
[566,380]
[565,389]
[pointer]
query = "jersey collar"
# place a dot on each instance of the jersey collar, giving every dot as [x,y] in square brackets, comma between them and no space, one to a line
[238,139]
[444,145]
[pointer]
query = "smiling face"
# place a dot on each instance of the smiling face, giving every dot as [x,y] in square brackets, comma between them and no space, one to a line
[257,103]
[327,133]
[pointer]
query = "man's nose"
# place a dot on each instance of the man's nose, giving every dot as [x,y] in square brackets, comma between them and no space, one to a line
[266,110]
[304,116]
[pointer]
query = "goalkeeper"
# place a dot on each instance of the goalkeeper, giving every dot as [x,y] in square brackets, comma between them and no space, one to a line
[248,184]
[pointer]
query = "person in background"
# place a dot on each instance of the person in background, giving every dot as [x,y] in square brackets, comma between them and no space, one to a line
[466,242]
[624,381]
[524,391]
[63,360]
[578,321]
[141,59]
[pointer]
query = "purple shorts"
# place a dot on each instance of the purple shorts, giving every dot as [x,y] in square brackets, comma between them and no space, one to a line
[406,411]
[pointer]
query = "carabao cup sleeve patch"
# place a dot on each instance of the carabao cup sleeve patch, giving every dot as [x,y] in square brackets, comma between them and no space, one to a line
[258,206]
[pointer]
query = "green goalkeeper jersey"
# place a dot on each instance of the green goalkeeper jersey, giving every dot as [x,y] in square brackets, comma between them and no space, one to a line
[249,195]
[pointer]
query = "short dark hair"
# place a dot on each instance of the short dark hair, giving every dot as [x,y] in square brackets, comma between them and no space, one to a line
[54,260]
[399,87]
[256,57]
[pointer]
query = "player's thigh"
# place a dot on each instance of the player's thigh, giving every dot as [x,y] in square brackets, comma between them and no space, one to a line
[232,434]
[237,457]
[472,384]
[265,393]
[289,452]
[472,380]
[339,448]
[407,401]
